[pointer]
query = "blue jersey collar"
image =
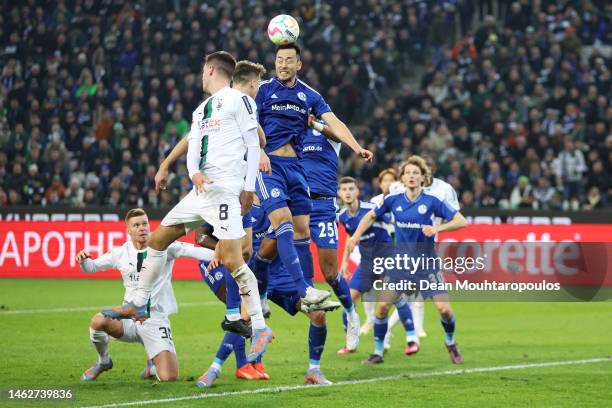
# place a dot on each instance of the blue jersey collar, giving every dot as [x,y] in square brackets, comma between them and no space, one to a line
[415,200]
[285,86]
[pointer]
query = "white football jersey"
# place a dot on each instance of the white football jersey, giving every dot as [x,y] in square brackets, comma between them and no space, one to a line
[128,260]
[218,124]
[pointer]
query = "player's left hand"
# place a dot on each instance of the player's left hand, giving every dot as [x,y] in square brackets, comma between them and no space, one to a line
[366,154]
[429,230]
[199,181]
[311,120]
[264,162]
[246,201]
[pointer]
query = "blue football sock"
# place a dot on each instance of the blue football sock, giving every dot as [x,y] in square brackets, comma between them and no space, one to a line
[316,343]
[226,347]
[302,247]
[344,320]
[341,289]
[239,350]
[289,256]
[260,269]
[449,329]
[405,315]
[232,297]
[380,330]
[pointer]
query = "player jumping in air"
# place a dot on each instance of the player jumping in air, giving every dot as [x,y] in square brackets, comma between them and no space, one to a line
[320,161]
[413,213]
[154,333]
[223,131]
[284,104]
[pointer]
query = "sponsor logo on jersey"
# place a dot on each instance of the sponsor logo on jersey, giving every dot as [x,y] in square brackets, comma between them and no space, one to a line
[399,208]
[288,106]
[312,148]
[301,96]
[275,192]
[422,209]
[408,225]
[210,125]
[274,96]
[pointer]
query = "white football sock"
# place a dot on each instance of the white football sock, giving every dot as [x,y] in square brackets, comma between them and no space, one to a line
[149,272]
[393,320]
[418,314]
[369,308]
[249,294]
[99,339]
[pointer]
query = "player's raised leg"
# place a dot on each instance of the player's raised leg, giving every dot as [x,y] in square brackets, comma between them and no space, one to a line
[154,259]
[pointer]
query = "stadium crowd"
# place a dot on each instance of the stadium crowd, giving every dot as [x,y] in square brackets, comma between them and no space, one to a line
[94,93]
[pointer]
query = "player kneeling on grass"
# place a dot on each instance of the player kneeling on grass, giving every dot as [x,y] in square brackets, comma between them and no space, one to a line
[413,212]
[155,333]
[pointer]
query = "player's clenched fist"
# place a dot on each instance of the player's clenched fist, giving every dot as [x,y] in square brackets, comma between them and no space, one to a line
[83,255]
[366,154]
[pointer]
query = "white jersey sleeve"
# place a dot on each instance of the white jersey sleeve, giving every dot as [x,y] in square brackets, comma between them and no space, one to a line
[106,261]
[246,115]
[185,250]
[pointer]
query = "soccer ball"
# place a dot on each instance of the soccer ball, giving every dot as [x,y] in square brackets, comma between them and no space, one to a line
[283,29]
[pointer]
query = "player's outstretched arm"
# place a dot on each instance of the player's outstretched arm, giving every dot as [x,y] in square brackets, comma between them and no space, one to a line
[344,135]
[366,222]
[88,265]
[323,129]
[185,250]
[161,177]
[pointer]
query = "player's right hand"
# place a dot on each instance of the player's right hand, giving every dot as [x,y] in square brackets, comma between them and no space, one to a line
[199,181]
[366,154]
[246,201]
[81,256]
[161,179]
[264,162]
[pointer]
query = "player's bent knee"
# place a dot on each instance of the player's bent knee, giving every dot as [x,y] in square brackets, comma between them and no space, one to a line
[98,322]
[382,309]
[167,376]
[279,216]
[317,318]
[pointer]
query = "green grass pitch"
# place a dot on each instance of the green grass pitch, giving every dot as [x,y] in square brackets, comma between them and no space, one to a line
[49,348]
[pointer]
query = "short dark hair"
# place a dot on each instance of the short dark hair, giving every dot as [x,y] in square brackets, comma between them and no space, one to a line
[247,70]
[223,61]
[290,46]
[348,179]
[134,212]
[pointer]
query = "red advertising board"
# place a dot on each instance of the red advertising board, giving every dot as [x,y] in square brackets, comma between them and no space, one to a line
[47,249]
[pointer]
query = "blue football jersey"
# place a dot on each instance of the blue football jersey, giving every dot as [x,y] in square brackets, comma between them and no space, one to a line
[320,162]
[376,233]
[283,112]
[411,216]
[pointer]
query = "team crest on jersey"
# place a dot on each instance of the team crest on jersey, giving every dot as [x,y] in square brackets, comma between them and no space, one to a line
[302,96]
[275,192]
[218,275]
[219,104]
[422,209]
